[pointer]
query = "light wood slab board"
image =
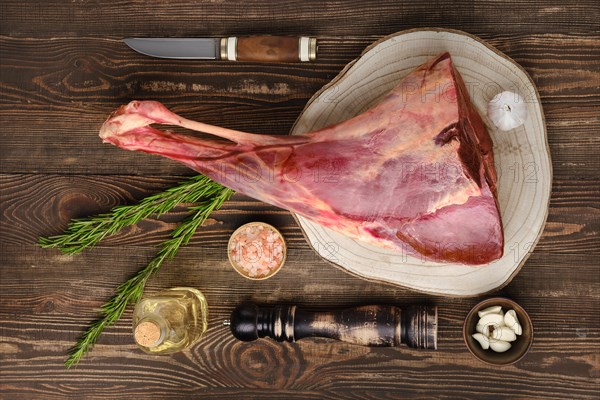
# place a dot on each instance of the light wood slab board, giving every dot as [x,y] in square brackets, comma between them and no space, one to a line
[521,156]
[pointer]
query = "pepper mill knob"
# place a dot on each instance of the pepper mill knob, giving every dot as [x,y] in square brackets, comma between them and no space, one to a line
[374,325]
[244,322]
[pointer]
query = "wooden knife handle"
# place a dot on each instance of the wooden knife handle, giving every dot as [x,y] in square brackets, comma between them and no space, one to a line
[376,325]
[269,49]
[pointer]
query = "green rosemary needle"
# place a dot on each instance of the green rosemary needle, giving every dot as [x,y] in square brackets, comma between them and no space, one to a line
[87,232]
[131,291]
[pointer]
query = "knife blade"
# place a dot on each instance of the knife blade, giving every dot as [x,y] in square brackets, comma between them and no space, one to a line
[250,48]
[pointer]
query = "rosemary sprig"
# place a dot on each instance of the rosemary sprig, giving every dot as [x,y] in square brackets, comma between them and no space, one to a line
[131,291]
[87,232]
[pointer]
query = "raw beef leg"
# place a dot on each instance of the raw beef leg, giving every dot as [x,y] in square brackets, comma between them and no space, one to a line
[413,173]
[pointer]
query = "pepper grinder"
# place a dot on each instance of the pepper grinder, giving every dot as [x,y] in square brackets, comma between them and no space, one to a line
[374,325]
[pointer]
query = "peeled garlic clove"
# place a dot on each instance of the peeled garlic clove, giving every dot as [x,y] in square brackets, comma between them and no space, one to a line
[479,328]
[517,329]
[490,310]
[511,320]
[507,110]
[483,340]
[483,329]
[500,346]
[492,319]
[504,333]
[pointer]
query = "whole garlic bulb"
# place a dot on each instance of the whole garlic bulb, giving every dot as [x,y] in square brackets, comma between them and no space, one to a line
[507,110]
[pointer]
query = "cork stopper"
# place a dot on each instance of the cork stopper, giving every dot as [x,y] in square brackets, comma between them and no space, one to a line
[147,334]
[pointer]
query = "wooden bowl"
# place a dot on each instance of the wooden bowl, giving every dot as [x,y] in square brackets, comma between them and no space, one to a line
[519,348]
[234,262]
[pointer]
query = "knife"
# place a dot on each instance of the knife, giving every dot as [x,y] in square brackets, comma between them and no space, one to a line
[250,48]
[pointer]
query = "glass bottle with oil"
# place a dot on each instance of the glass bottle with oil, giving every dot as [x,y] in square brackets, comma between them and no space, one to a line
[170,321]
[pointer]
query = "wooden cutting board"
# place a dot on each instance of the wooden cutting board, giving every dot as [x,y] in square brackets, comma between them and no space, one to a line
[521,156]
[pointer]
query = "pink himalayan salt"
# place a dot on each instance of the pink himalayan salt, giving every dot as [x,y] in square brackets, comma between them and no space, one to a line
[256,250]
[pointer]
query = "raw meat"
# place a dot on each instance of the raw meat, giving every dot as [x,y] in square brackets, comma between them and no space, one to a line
[413,173]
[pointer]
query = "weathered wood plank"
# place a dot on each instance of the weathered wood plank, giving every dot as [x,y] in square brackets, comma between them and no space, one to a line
[43,317]
[35,205]
[57,93]
[355,17]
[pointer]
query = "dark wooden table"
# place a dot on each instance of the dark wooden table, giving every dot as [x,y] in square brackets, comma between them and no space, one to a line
[64,69]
